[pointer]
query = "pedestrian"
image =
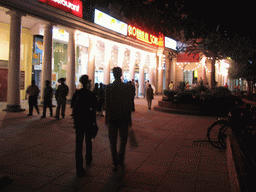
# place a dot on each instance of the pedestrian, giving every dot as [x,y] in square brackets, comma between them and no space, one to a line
[132,99]
[95,89]
[187,86]
[226,85]
[32,92]
[145,87]
[137,88]
[150,96]
[118,115]
[84,104]
[60,95]
[48,93]
[171,86]
[100,97]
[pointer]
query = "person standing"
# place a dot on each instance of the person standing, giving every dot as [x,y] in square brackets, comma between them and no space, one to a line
[33,92]
[61,98]
[48,93]
[171,86]
[132,99]
[118,115]
[150,96]
[137,88]
[84,104]
[100,97]
[145,87]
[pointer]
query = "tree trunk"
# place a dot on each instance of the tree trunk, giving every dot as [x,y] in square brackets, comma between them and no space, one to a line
[213,82]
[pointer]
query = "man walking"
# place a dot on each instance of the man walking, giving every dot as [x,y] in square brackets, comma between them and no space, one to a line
[33,92]
[118,115]
[84,104]
[60,95]
[48,93]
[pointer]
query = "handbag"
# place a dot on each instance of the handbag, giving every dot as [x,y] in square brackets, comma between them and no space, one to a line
[95,130]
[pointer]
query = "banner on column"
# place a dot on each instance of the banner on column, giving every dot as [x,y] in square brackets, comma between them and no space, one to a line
[22,80]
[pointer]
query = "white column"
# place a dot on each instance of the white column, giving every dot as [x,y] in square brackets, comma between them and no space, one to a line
[151,68]
[172,72]
[13,91]
[71,64]
[160,75]
[141,72]
[132,63]
[47,57]
[120,56]
[108,50]
[91,60]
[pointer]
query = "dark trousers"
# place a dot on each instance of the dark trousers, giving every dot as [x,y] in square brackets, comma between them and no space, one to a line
[149,103]
[61,102]
[133,105]
[32,102]
[81,133]
[113,130]
[47,103]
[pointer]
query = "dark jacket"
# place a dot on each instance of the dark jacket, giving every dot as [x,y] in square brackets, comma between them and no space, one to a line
[62,91]
[84,104]
[118,102]
[48,92]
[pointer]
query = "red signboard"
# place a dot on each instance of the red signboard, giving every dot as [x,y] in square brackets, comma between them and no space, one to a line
[74,7]
[185,57]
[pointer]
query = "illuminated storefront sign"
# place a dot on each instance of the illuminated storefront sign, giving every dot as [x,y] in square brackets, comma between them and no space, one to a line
[170,43]
[142,35]
[109,22]
[74,7]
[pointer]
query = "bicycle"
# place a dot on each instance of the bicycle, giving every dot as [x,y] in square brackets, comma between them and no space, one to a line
[244,118]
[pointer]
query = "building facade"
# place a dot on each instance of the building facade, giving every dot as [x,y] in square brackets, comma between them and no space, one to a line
[49,39]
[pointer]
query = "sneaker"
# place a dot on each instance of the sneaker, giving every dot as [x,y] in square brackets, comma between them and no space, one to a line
[29,115]
[56,117]
[43,117]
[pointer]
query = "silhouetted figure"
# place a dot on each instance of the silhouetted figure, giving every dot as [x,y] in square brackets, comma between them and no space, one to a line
[84,104]
[95,89]
[61,98]
[145,87]
[101,97]
[137,88]
[33,92]
[118,115]
[150,96]
[132,99]
[48,94]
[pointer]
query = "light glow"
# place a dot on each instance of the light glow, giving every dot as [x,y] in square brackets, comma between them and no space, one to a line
[109,22]
[142,35]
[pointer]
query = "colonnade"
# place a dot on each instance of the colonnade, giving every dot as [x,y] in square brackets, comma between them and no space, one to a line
[13,95]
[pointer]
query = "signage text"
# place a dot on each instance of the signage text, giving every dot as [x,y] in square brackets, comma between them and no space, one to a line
[142,35]
[74,7]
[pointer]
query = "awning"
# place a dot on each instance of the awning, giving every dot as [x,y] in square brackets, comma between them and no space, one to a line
[185,57]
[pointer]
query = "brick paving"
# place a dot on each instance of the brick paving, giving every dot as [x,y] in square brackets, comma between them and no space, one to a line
[38,154]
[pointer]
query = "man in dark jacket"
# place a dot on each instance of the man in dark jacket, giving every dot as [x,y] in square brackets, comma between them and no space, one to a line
[61,98]
[119,97]
[33,92]
[84,104]
[48,93]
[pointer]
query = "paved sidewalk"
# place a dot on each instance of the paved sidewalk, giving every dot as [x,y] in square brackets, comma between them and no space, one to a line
[38,154]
